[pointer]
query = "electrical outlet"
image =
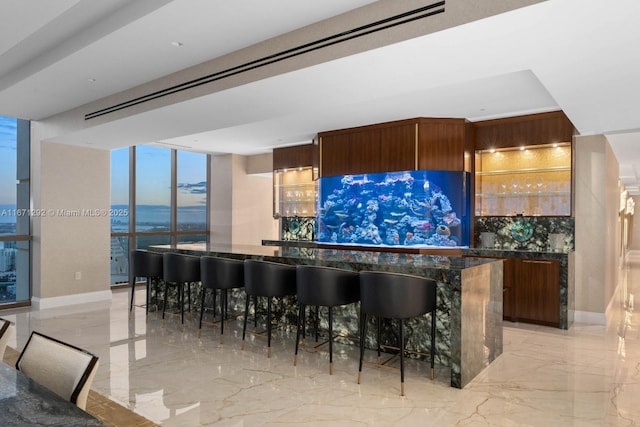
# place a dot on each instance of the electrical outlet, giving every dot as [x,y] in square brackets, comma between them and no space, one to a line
[78,275]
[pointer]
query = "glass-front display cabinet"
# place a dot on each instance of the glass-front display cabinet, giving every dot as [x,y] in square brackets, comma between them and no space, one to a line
[294,193]
[530,181]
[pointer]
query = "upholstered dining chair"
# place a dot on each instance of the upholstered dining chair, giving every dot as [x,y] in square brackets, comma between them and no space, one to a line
[63,368]
[6,330]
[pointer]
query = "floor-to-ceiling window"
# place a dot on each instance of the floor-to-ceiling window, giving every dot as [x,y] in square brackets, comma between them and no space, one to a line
[158,196]
[15,241]
[191,196]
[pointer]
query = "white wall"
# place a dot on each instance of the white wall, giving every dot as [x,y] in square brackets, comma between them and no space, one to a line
[70,224]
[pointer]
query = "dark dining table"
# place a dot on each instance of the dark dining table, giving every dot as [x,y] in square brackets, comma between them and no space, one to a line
[24,402]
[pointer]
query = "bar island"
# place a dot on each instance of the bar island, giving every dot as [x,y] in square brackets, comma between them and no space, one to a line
[469,313]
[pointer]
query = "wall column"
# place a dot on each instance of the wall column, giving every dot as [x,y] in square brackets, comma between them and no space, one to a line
[597,239]
[241,203]
[70,202]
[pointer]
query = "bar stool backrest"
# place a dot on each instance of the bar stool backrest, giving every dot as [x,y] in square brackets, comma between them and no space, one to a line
[64,369]
[221,273]
[146,264]
[396,296]
[326,286]
[264,278]
[180,268]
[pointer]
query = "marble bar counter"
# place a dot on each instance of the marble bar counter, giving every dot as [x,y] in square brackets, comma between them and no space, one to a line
[469,311]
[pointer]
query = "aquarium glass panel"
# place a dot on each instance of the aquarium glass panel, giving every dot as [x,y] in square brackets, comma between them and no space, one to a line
[413,208]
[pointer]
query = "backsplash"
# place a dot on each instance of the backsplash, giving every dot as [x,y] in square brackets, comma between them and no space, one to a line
[532,233]
[298,228]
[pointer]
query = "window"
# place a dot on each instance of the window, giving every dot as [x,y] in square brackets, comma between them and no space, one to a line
[14,211]
[153,189]
[192,191]
[169,191]
[120,216]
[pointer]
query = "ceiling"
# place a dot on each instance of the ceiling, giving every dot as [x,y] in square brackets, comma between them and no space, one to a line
[574,55]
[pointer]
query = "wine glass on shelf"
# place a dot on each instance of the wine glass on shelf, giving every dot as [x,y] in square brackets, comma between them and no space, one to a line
[528,184]
[515,186]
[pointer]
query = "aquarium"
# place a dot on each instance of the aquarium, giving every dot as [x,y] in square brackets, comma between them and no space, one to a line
[413,208]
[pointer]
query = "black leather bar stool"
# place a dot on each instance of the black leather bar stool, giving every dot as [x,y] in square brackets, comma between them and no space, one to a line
[396,296]
[324,287]
[219,273]
[179,270]
[144,264]
[266,279]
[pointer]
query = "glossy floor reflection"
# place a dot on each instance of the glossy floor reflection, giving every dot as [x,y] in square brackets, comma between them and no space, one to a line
[587,376]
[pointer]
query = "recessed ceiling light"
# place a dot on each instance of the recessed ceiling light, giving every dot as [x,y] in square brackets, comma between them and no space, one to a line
[177,44]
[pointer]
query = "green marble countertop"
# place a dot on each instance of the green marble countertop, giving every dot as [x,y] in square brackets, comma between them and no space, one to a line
[329,257]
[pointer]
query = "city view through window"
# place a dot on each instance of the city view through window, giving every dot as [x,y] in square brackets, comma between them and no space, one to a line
[153,209]
[14,218]
[152,181]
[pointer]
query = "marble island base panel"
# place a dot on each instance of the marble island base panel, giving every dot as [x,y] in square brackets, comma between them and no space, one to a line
[469,310]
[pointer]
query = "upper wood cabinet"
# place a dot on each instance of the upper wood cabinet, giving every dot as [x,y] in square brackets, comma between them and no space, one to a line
[413,144]
[445,144]
[293,157]
[532,129]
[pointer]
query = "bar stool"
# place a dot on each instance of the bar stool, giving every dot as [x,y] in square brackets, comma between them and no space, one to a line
[324,287]
[144,264]
[219,273]
[179,270]
[266,279]
[396,296]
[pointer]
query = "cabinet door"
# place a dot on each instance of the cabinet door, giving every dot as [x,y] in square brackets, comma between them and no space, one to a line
[537,291]
[508,269]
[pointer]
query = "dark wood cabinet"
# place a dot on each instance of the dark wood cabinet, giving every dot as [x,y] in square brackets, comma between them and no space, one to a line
[532,129]
[368,149]
[535,292]
[508,275]
[445,144]
[412,144]
[293,157]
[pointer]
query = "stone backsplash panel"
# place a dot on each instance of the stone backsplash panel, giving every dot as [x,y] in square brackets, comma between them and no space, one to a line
[529,233]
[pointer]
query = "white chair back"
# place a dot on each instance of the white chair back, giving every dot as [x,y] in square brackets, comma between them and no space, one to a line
[6,331]
[64,369]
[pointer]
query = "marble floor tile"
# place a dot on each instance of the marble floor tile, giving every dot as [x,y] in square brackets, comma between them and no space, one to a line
[588,375]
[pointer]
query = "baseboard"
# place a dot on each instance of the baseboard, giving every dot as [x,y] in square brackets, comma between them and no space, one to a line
[590,317]
[61,301]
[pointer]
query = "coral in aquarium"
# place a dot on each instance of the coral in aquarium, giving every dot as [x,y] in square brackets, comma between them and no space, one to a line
[395,209]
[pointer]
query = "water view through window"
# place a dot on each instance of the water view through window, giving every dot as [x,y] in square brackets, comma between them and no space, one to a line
[153,194]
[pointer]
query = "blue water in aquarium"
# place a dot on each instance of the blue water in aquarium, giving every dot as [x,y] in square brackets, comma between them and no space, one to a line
[413,208]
